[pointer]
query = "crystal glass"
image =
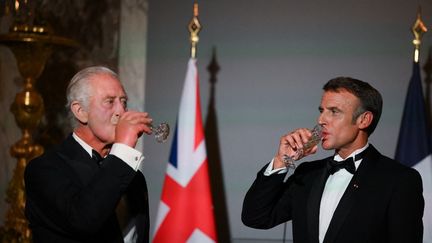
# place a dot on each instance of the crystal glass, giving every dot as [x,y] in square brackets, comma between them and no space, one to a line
[161,132]
[314,140]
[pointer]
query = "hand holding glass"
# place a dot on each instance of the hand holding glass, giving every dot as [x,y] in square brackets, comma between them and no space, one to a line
[160,132]
[314,140]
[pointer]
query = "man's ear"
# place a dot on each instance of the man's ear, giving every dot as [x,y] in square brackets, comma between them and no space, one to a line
[79,112]
[365,119]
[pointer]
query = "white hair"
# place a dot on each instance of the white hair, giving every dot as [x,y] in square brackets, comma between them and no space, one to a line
[79,88]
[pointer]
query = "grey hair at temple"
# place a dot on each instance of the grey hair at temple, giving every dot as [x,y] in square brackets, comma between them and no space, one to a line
[370,98]
[79,88]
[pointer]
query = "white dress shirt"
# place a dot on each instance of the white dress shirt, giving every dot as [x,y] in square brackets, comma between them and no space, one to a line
[129,155]
[333,191]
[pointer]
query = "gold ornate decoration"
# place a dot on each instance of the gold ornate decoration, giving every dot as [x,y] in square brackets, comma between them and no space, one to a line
[418,29]
[31,45]
[194,28]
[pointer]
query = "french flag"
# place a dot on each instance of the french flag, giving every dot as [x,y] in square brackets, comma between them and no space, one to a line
[414,144]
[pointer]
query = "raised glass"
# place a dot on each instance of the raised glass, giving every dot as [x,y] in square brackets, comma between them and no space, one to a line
[160,132]
[314,140]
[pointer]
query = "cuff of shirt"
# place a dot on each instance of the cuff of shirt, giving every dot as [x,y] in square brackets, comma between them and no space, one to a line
[270,171]
[129,155]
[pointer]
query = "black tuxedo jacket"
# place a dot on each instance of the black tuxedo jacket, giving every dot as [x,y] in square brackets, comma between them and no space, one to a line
[382,203]
[70,198]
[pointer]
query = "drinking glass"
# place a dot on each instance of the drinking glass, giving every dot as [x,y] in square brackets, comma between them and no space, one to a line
[314,140]
[160,132]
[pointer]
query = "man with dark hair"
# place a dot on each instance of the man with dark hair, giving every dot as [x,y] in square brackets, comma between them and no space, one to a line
[356,196]
[73,191]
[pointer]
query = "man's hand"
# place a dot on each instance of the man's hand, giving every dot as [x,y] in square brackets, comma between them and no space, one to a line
[130,126]
[291,143]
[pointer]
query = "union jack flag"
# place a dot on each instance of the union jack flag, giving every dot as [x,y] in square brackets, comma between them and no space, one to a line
[186,210]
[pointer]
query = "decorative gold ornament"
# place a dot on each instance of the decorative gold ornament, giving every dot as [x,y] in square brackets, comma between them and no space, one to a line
[31,45]
[418,29]
[194,28]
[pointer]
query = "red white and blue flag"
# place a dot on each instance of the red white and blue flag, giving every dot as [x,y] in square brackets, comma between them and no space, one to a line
[186,208]
[414,144]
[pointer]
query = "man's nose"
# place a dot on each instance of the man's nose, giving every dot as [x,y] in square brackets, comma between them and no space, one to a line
[321,119]
[120,108]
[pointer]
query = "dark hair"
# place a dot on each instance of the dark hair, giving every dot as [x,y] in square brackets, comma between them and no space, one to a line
[370,98]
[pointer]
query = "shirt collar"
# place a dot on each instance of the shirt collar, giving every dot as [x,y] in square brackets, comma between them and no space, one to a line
[83,144]
[337,157]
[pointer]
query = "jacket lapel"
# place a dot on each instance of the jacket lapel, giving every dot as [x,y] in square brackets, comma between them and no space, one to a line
[78,159]
[313,204]
[351,195]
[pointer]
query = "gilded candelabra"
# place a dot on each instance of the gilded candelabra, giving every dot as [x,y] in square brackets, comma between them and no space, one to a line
[31,45]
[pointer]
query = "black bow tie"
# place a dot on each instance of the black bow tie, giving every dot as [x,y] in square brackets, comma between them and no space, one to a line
[96,157]
[347,164]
